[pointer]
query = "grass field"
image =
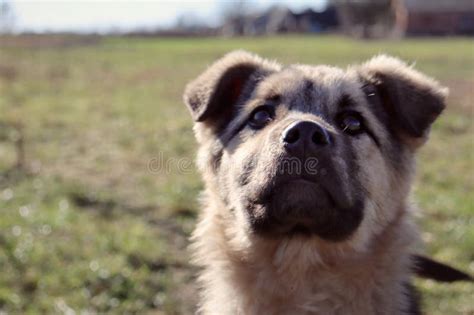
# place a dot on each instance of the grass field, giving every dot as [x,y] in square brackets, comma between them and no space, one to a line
[90,222]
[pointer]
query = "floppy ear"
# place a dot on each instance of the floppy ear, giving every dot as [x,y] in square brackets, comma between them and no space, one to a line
[229,80]
[411,100]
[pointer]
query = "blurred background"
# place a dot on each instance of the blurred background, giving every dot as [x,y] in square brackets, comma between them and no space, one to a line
[97,184]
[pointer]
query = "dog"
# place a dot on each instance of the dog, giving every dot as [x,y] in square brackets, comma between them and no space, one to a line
[308,171]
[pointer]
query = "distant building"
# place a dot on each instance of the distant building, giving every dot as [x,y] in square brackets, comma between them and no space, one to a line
[435,17]
[313,21]
[279,19]
[362,18]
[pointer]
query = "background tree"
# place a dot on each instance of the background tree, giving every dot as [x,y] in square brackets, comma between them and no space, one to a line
[366,18]
[233,15]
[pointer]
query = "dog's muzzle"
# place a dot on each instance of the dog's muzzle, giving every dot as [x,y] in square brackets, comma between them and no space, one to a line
[306,195]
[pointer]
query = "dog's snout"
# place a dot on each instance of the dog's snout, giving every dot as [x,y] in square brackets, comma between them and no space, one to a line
[305,134]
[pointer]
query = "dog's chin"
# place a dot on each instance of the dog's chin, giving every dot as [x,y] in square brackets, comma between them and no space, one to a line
[304,208]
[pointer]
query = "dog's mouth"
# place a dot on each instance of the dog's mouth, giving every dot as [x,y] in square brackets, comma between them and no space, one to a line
[302,206]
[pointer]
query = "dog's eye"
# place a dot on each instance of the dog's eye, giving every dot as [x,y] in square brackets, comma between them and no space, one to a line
[351,123]
[370,90]
[261,116]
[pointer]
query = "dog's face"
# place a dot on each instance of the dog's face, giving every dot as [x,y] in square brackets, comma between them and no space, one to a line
[311,150]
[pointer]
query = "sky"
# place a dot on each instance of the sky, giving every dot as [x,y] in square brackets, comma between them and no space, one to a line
[123,15]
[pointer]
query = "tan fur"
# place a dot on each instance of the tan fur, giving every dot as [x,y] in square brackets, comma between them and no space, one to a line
[243,273]
[299,277]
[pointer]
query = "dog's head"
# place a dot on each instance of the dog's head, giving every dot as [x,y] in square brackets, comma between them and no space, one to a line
[311,150]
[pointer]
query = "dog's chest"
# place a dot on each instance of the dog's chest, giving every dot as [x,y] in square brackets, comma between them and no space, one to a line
[318,295]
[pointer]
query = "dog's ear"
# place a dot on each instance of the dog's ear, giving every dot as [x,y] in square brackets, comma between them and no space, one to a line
[412,101]
[228,81]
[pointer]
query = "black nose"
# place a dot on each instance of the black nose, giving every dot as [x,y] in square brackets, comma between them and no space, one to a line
[302,135]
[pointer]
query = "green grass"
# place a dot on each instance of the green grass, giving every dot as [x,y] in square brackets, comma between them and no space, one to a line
[87,225]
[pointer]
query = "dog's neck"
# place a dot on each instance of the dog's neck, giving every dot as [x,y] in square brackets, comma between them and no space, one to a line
[302,275]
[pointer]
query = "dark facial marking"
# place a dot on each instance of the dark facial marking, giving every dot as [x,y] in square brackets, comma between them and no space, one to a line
[246,172]
[308,91]
[216,159]
[335,224]
[274,98]
[345,101]
[344,225]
